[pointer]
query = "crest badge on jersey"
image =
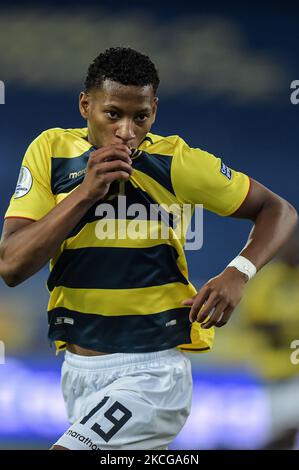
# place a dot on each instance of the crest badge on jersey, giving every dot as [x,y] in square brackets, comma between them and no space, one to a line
[226,171]
[24,183]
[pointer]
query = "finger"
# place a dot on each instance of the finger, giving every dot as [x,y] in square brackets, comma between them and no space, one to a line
[112,148]
[205,310]
[118,156]
[225,317]
[119,148]
[116,175]
[189,301]
[216,315]
[109,155]
[199,300]
[210,303]
[117,165]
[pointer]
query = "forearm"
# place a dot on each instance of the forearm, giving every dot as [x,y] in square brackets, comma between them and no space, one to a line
[30,248]
[274,220]
[273,225]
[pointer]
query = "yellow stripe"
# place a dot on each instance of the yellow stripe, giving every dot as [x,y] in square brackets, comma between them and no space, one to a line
[87,238]
[114,230]
[152,187]
[163,197]
[115,302]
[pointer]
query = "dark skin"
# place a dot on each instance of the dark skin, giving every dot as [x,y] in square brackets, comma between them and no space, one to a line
[223,292]
[118,114]
[118,118]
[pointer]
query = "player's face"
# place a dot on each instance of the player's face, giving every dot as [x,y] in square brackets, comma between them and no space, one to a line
[118,113]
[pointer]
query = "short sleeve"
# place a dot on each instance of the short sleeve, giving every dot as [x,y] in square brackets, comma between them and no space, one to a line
[199,177]
[33,197]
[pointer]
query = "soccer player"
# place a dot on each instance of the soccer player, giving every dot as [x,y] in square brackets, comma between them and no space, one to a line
[123,306]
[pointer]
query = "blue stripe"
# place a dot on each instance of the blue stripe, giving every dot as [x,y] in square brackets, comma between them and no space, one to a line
[116,268]
[127,334]
[63,167]
[154,165]
[157,167]
[133,196]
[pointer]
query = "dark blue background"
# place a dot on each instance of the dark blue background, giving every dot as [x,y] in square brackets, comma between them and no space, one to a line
[258,139]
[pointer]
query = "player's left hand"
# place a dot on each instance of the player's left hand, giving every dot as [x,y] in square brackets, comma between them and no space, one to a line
[217,299]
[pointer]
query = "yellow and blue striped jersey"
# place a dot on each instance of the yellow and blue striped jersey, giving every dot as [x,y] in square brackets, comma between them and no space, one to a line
[123,294]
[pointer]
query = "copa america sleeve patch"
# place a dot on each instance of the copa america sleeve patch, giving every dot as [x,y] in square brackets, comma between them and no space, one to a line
[24,183]
[226,171]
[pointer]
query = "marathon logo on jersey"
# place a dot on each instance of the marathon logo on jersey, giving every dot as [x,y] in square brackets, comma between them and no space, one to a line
[24,183]
[226,171]
[61,320]
[75,174]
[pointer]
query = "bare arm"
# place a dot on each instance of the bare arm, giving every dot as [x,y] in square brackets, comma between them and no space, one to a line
[26,246]
[274,221]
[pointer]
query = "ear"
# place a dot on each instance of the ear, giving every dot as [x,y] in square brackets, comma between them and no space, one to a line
[155,107]
[84,104]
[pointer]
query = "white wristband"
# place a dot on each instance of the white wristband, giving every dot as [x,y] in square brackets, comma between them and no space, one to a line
[244,266]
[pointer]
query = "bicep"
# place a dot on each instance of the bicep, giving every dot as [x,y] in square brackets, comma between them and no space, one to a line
[12,225]
[258,196]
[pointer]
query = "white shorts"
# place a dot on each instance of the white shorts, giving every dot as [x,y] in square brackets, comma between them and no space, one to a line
[125,401]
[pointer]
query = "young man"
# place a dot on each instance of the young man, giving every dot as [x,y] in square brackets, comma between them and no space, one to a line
[122,306]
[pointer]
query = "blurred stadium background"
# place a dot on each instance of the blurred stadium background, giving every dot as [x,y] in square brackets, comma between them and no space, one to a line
[226,72]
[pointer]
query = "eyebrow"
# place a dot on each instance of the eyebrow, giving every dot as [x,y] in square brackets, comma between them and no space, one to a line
[143,110]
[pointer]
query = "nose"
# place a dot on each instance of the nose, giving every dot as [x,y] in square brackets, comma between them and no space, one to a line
[125,131]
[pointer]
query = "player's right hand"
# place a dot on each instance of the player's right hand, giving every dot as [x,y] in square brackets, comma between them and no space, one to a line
[105,165]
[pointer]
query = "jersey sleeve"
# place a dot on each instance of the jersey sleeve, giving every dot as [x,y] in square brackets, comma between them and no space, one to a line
[199,177]
[33,197]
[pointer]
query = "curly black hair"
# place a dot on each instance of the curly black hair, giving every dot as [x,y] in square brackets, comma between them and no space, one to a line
[123,65]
